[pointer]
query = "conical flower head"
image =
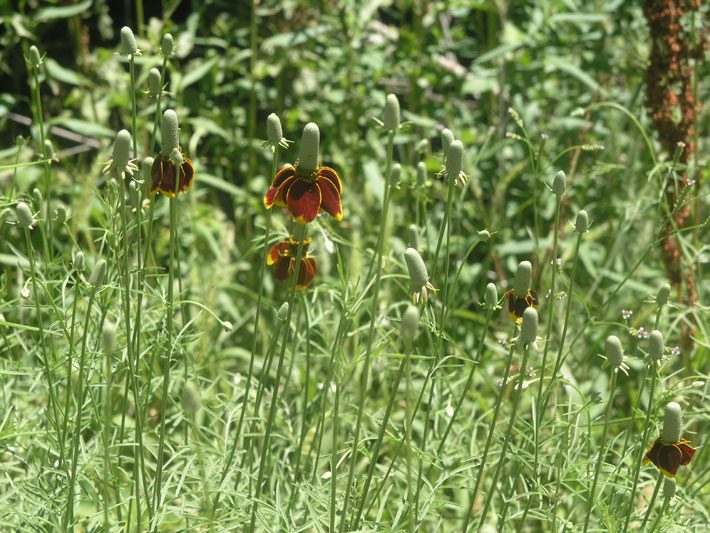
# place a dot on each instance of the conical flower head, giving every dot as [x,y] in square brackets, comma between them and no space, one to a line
[392,113]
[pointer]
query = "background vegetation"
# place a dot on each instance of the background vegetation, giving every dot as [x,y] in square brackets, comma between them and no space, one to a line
[530,88]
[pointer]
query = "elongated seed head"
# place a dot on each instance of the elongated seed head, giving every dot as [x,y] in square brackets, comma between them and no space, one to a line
[128,42]
[282,313]
[24,215]
[656,345]
[614,351]
[662,295]
[396,173]
[154,88]
[668,488]
[410,325]
[391,115]
[491,296]
[166,45]
[170,132]
[418,275]
[79,262]
[108,337]
[559,183]
[98,274]
[447,137]
[672,416]
[310,142]
[421,173]
[274,132]
[528,329]
[523,276]
[454,159]
[581,224]
[35,57]
[122,151]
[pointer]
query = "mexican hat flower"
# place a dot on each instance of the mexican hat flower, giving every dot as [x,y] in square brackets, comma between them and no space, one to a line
[172,173]
[669,451]
[282,257]
[307,188]
[520,297]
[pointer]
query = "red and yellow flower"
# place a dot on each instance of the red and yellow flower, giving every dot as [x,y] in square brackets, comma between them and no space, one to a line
[306,193]
[165,177]
[669,456]
[518,304]
[282,257]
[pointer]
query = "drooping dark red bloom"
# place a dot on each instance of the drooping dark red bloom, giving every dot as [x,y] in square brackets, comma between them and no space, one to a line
[164,173]
[669,456]
[282,257]
[518,304]
[306,193]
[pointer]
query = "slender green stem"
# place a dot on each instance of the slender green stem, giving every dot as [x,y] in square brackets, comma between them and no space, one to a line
[444,226]
[301,235]
[664,508]
[69,514]
[491,430]
[602,449]
[518,388]
[334,459]
[371,332]
[108,476]
[642,448]
[70,360]
[653,501]
[411,520]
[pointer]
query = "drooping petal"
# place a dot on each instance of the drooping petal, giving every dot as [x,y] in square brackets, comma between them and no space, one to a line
[332,176]
[276,195]
[669,458]
[686,450]
[276,251]
[283,268]
[187,174]
[330,199]
[282,175]
[303,200]
[307,272]
[156,173]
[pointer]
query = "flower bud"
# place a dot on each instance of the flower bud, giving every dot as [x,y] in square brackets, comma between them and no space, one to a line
[656,346]
[418,275]
[122,151]
[396,173]
[98,274]
[146,169]
[454,159]
[446,139]
[48,149]
[559,183]
[60,215]
[191,401]
[79,263]
[413,236]
[671,423]
[24,215]
[422,146]
[410,325]
[274,133]
[128,44]
[668,488]
[523,276]
[35,57]
[108,337]
[282,313]
[582,222]
[484,235]
[491,298]
[37,197]
[662,295]
[169,132]
[310,141]
[614,351]
[391,117]
[528,329]
[166,45]
[154,86]
[421,174]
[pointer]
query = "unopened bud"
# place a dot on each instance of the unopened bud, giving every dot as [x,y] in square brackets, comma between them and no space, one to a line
[128,44]
[108,337]
[418,275]
[154,86]
[559,183]
[79,262]
[282,313]
[528,329]
[484,235]
[447,137]
[614,351]
[35,57]
[24,215]
[662,295]
[421,173]
[166,45]
[410,325]
[391,115]
[60,215]
[396,173]
[37,197]
[97,276]
[122,151]
[581,224]
[491,298]
[274,132]
[669,485]
[656,345]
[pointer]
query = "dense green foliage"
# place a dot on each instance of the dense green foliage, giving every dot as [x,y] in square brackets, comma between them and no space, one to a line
[96,434]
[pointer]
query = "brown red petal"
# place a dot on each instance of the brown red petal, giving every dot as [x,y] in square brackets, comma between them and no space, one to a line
[282,269]
[276,251]
[330,198]
[282,175]
[303,200]
[187,174]
[156,173]
[332,176]
[686,450]
[307,272]
[668,457]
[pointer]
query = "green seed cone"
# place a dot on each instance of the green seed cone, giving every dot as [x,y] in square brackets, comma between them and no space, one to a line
[24,215]
[559,183]
[491,298]
[454,159]
[128,44]
[656,345]
[166,45]
[310,141]
[523,276]
[122,151]
[421,174]
[391,115]
[97,276]
[170,132]
[672,416]
[274,133]
[662,295]
[581,222]
[614,351]
[418,275]
[528,329]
